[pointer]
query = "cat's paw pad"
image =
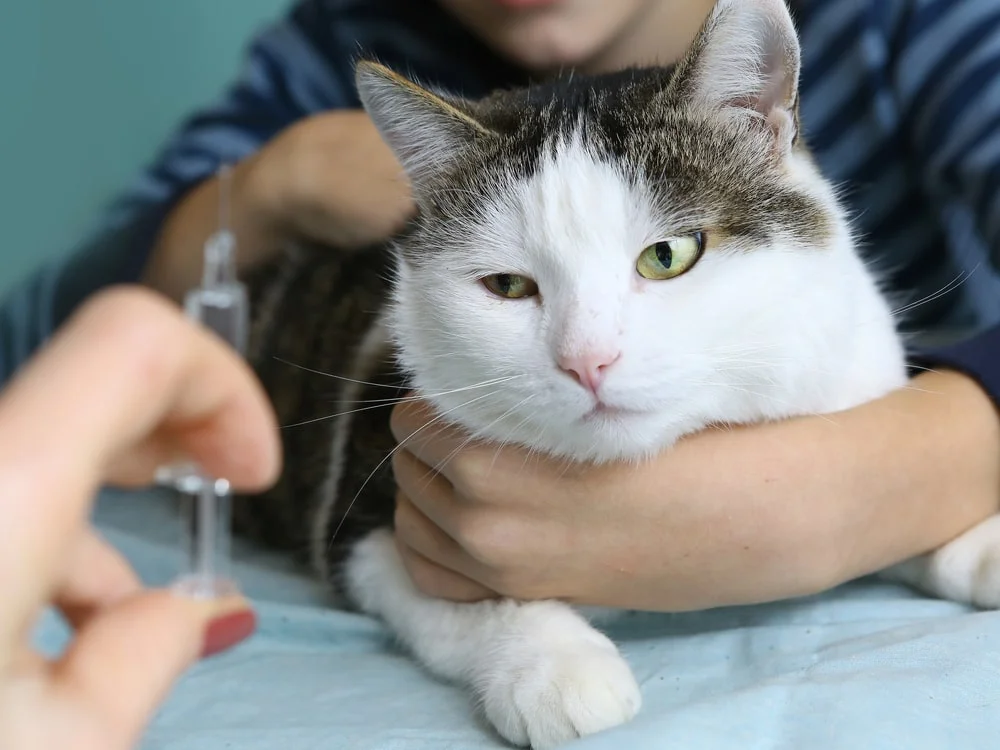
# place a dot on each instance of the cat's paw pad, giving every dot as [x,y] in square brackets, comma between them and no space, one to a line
[544,699]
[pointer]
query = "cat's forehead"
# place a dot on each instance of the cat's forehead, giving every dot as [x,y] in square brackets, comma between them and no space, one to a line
[579,208]
[691,170]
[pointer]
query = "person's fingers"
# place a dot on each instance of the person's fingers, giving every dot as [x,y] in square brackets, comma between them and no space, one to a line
[425,513]
[126,370]
[25,660]
[97,576]
[423,432]
[465,461]
[421,534]
[413,538]
[429,491]
[125,660]
[428,545]
[441,583]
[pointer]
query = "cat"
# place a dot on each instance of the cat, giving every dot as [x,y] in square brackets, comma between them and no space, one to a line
[593,263]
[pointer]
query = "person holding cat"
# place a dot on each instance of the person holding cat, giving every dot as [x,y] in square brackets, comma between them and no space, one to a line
[312,165]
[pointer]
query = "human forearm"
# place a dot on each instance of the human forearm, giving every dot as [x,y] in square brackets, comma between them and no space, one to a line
[176,260]
[938,472]
[329,178]
[911,471]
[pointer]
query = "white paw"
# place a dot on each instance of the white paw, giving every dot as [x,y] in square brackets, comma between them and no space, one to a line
[986,586]
[966,570]
[547,697]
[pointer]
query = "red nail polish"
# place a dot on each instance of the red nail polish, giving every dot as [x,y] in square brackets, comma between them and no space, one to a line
[226,631]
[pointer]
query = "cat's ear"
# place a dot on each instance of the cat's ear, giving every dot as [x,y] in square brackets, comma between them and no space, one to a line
[424,130]
[747,57]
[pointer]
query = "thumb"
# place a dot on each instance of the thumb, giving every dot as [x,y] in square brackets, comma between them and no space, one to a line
[123,663]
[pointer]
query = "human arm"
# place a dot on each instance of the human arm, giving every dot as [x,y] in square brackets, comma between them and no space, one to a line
[309,164]
[329,178]
[726,517]
[297,67]
[127,385]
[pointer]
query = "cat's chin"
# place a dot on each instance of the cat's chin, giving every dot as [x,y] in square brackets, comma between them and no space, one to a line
[608,434]
[607,413]
[589,433]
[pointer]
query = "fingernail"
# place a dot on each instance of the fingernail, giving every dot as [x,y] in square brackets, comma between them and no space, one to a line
[227,630]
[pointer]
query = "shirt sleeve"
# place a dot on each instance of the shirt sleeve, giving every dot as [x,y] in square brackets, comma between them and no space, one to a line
[947,77]
[285,77]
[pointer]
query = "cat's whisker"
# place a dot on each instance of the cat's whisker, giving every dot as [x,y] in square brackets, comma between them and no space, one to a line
[567,464]
[503,416]
[948,288]
[380,385]
[478,435]
[382,403]
[921,368]
[960,279]
[335,416]
[434,470]
[423,396]
[529,452]
[390,454]
[519,425]
[915,389]
[336,377]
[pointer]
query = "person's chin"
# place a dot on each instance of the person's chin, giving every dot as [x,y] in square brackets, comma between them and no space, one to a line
[544,54]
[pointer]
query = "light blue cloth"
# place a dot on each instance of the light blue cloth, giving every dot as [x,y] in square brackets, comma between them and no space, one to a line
[870,666]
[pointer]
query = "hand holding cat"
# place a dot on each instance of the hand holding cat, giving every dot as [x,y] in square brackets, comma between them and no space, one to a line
[725,517]
[329,178]
[128,384]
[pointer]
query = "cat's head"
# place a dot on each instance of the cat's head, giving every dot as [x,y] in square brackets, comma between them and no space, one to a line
[600,265]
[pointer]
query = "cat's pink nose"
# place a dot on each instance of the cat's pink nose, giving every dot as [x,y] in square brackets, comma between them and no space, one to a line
[589,369]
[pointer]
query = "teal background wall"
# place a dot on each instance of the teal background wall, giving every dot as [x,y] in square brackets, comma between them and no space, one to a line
[88,91]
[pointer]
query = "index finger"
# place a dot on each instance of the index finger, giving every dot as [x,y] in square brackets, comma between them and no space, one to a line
[125,365]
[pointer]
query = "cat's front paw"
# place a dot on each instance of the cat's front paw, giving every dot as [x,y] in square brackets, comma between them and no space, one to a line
[965,570]
[544,698]
[986,590]
[972,570]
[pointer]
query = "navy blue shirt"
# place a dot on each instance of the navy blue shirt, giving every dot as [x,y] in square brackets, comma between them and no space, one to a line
[900,102]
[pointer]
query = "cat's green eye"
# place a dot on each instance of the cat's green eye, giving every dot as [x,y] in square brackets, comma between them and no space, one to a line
[670,258]
[510,286]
